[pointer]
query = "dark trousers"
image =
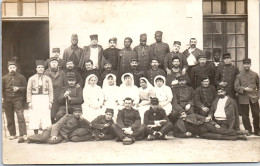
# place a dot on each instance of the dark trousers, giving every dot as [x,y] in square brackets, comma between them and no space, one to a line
[245,116]
[223,123]
[107,133]
[44,138]
[138,133]
[80,135]
[164,129]
[202,113]
[11,107]
[209,131]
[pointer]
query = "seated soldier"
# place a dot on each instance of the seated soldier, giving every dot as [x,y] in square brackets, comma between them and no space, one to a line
[156,122]
[128,127]
[183,99]
[102,126]
[70,128]
[70,69]
[204,96]
[195,125]
[70,97]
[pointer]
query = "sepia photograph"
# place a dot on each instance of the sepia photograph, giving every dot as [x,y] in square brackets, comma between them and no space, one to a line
[130,81]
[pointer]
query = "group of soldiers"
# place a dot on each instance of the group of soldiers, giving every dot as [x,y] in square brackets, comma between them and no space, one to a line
[81,96]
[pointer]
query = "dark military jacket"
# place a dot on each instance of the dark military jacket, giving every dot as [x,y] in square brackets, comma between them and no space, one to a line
[61,64]
[143,54]
[227,73]
[196,53]
[174,76]
[111,54]
[214,70]
[129,118]
[168,60]
[79,80]
[125,56]
[150,116]
[137,73]
[99,128]
[197,74]
[151,74]
[73,53]
[159,50]
[204,96]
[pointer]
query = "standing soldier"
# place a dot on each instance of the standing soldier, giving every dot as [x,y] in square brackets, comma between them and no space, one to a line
[199,71]
[191,54]
[70,70]
[159,49]
[143,52]
[154,71]
[73,53]
[175,53]
[215,64]
[226,75]
[58,78]
[56,54]
[247,86]
[13,89]
[39,98]
[92,52]
[111,53]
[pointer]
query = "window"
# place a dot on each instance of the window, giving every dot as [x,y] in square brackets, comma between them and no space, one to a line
[225,27]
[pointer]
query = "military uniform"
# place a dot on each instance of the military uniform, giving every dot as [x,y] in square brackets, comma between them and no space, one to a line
[204,97]
[214,67]
[197,74]
[125,56]
[174,77]
[151,74]
[13,101]
[61,64]
[74,54]
[143,56]
[159,50]
[168,60]
[111,54]
[79,80]
[137,73]
[100,129]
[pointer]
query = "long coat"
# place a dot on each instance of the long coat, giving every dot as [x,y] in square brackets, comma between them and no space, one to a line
[231,111]
[144,55]
[73,53]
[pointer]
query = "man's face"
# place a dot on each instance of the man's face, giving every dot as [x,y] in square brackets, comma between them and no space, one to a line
[128,104]
[154,64]
[112,44]
[205,83]
[202,61]
[176,48]
[77,114]
[69,65]
[54,64]
[217,56]
[176,63]
[227,60]
[108,116]
[193,43]
[92,81]
[143,84]
[134,64]
[71,82]
[158,37]
[56,54]
[143,42]
[182,82]
[12,69]
[154,106]
[74,41]
[94,42]
[111,81]
[89,66]
[247,66]
[128,80]
[127,43]
[107,66]
[40,69]
[183,115]
[159,83]
[221,93]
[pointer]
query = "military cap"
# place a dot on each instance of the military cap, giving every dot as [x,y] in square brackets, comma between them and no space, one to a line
[71,76]
[54,59]
[74,36]
[109,110]
[128,38]
[77,109]
[143,36]
[181,77]
[226,55]
[107,62]
[202,56]
[134,59]
[246,60]
[94,36]
[56,50]
[69,61]
[113,39]
[216,50]
[39,62]
[177,42]
[221,87]
[159,32]
[175,57]
[204,77]
[155,58]
[11,63]
[154,101]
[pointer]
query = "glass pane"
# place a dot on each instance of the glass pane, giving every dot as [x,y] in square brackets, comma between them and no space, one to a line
[207,27]
[241,54]
[231,7]
[216,7]
[240,7]
[240,40]
[28,9]
[11,9]
[232,52]
[231,41]
[240,27]
[207,41]
[42,9]
[208,53]
[216,27]
[230,27]
[206,7]
[240,66]
[217,40]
